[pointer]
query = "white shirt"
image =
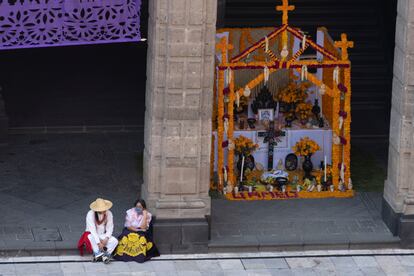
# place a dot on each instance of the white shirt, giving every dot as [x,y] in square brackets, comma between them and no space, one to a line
[101,231]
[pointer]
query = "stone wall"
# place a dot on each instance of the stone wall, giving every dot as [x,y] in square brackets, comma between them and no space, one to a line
[399,186]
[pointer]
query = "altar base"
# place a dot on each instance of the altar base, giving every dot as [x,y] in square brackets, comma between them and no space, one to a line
[276,195]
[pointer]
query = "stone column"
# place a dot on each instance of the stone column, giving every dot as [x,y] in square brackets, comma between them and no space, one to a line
[179,95]
[398,205]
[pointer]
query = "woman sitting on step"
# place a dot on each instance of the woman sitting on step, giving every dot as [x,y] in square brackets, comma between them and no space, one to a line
[98,235]
[135,242]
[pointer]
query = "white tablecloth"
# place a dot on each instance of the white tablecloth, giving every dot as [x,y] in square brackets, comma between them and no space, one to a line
[321,136]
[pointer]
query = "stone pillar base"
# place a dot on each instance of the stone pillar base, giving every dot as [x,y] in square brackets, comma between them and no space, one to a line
[390,217]
[181,235]
[399,224]
[406,231]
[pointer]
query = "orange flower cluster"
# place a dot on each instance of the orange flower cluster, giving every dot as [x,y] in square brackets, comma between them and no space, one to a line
[244,145]
[303,111]
[305,146]
[294,92]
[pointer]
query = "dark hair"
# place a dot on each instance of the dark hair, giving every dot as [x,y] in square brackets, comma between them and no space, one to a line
[142,202]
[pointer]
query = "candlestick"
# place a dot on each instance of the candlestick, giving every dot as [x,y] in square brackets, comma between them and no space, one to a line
[241,173]
[325,169]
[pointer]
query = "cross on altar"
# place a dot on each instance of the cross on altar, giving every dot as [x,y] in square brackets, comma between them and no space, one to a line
[272,138]
[344,44]
[285,8]
[223,47]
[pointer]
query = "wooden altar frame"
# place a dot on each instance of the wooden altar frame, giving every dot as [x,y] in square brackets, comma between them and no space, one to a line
[335,55]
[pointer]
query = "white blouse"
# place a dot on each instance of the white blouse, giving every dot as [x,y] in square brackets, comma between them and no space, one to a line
[104,230]
[132,219]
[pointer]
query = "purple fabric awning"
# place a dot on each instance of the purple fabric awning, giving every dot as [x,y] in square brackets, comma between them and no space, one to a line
[44,23]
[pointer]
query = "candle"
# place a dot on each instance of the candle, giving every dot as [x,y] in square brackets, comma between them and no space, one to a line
[277,110]
[325,168]
[225,174]
[303,42]
[241,173]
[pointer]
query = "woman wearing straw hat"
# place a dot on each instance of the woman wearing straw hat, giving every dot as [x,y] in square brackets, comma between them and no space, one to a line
[100,225]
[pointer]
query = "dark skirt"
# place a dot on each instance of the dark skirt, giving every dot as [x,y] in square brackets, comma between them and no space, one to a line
[135,246]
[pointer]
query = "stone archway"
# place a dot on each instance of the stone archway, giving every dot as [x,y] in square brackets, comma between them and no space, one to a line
[180,74]
[398,204]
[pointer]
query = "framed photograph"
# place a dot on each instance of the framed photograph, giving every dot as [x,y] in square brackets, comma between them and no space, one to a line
[266,114]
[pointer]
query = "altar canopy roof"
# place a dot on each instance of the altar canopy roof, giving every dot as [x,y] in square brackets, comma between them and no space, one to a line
[45,23]
[330,60]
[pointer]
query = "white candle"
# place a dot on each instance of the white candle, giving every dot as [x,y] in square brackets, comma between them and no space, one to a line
[225,174]
[277,110]
[303,42]
[324,163]
[241,173]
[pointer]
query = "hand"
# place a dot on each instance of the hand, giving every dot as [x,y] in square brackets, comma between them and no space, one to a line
[101,246]
[104,241]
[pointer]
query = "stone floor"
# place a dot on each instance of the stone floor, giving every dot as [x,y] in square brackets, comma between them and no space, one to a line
[300,224]
[48,180]
[353,263]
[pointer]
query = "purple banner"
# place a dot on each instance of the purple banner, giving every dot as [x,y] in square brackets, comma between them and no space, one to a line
[44,23]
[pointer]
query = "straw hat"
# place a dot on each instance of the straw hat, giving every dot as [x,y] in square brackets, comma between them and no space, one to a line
[100,205]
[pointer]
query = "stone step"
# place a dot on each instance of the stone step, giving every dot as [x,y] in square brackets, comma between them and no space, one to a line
[313,242]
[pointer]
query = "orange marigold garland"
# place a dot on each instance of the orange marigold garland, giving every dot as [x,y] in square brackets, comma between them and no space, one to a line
[347,126]
[230,111]
[220,130]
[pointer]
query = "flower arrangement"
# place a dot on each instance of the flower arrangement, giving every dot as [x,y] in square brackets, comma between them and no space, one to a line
[254,175]
[303,111]
[305,146]
[294,92]
[244,146]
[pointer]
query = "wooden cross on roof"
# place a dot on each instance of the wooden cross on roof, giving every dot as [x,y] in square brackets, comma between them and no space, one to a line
[344,44]
[285,8]
[223,47]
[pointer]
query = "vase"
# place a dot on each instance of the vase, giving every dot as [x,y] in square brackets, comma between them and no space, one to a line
[249,163]
[289,121]
[307,167]
[283,107]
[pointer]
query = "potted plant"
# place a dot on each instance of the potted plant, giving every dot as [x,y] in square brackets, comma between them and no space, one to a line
[306,147]
[244,147]
[291,95]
